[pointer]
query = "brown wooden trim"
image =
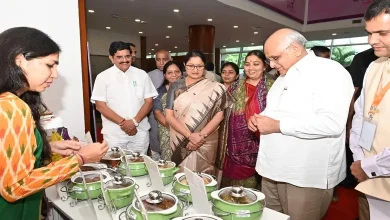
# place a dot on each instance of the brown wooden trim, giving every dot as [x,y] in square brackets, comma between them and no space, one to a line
[84,64]
[217,60]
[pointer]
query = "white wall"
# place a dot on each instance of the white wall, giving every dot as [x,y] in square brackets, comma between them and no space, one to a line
[99,41]
[60,20]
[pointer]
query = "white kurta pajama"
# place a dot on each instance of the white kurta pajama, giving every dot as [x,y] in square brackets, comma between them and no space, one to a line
[124,93]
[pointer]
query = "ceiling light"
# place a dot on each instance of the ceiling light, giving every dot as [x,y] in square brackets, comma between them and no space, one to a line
[175,46]
[334,34]
[170,51]
[252,43]
[169,26]
[108,28]
[152,49]
[255,32]
[167,36]
[91,11]
[224,45]
[141,32]
[209,19]
[150,53]
[237,41]
[235,26]
[176,10]
[137,20]
[156,45]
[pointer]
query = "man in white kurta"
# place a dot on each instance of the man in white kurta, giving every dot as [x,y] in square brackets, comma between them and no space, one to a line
[370,133]
[124,94]
[302,144]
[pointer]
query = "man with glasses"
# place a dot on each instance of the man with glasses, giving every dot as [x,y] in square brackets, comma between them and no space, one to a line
[302,145]
[157,76]
[124,96]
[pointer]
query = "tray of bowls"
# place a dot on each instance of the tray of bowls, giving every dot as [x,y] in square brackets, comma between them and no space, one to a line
[120,189]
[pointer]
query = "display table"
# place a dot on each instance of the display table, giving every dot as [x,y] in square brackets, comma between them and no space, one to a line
[80,211]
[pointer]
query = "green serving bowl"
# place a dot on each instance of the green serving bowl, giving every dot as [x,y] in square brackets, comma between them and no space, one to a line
[182,190]
[137,166]
[77,189]
[238,203]
[167,171]
[133,211]
[120,191]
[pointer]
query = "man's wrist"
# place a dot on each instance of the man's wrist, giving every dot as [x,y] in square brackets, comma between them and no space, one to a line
[121,121]
[135,121]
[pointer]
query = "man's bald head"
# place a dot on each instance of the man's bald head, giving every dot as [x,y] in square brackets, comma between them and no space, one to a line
[162,57]
[284,48]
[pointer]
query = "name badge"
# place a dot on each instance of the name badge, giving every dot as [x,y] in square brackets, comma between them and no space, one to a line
[368,134]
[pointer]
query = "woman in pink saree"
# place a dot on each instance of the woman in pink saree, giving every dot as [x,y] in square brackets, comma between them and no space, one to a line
[196,109]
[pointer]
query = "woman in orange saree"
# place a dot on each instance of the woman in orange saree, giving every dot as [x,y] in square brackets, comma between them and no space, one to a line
[196,109]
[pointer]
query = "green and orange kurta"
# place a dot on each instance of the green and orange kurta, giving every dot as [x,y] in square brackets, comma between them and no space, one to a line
[22,178]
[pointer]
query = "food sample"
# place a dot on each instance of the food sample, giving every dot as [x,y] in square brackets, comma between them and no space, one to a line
[206,180]
[113,155]
[87,168]
[120,185]
[164,205]
[136,160]
[164,166]
[88,178]
[236,200]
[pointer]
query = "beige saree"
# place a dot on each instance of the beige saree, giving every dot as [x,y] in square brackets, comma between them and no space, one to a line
[194,106]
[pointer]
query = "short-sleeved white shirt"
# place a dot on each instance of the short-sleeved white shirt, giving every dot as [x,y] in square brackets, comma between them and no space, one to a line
[124,93]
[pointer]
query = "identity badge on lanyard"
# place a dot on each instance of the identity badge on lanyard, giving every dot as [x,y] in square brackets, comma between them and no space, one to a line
[369,125]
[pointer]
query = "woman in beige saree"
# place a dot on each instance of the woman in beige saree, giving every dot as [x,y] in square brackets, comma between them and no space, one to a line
[195,111]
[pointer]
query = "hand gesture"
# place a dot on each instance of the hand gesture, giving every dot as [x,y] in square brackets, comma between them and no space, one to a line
[128,127]
[358,172]
[93,152]
[65,148]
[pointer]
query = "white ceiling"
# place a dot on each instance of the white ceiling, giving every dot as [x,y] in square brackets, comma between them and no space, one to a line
[158,14]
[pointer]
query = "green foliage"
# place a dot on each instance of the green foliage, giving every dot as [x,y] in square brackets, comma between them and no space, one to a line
[343,55]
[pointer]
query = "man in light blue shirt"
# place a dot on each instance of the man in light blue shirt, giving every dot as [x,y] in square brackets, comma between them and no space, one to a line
[157,77]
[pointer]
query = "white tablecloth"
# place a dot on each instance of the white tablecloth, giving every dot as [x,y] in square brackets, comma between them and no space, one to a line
[81,210]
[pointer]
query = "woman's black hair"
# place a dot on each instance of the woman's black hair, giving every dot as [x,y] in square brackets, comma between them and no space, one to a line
[195,53]
[233,65]
[165,69]
[257,53]
[31,43]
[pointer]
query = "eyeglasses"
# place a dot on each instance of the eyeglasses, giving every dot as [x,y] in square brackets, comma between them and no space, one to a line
[192,67]
[276,58]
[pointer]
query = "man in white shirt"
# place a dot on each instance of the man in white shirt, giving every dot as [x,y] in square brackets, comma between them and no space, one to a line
[157,77]
[302,143]
[370,133]
[124,96]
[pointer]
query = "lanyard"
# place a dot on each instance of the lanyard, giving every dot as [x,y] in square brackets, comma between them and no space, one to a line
[377,99]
